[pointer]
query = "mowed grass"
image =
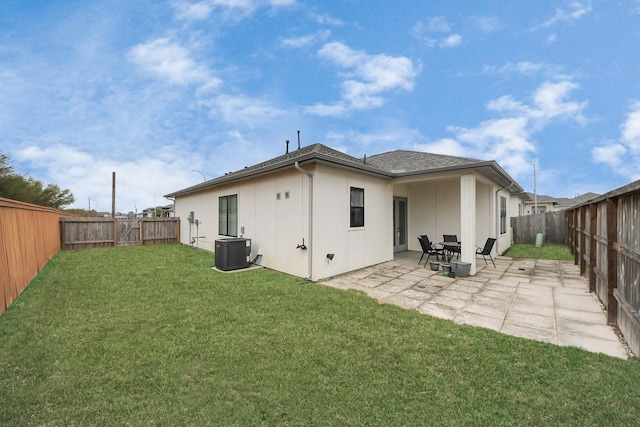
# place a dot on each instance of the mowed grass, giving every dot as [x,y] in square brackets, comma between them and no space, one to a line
[553,252]
[152,336]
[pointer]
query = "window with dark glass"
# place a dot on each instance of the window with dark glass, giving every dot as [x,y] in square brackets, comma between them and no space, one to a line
[228,215]
[357,207]
[503,215]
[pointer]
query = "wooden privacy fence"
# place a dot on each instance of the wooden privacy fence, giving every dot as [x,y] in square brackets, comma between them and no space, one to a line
[82,233]
[29,237]
[604,237]
[552,224]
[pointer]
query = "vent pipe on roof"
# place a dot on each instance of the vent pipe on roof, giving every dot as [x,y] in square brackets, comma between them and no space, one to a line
[365,159]
[298,140]
[287,142]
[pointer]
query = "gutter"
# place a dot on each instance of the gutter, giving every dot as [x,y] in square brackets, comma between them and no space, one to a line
[310,245]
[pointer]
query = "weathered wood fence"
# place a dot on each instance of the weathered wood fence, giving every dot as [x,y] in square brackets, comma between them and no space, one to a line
[82,233]
[604,237]
[552,224]
[29,237]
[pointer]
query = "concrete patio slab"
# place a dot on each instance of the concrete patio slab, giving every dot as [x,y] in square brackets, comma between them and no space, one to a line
[542,300]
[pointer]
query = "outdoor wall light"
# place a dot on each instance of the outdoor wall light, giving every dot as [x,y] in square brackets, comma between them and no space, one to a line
[330,256]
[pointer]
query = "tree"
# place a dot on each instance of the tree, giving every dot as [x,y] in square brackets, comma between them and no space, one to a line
[30,190]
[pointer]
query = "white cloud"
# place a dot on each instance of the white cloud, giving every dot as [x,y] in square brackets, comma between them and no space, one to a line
[172,62]
[623,156]
[430,31]
[631,129]
[366,77]
[510,139]
[328,110]
[326,19]
[576,11]
[437,24]
[451,41]
[528,68]
[486,24]
[549,101]
[199,10]
[244,110]
[374,142]
[140,182]
[611,154]
[305,41]
[447,146]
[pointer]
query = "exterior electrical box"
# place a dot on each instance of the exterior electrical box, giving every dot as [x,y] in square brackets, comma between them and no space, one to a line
[232,253]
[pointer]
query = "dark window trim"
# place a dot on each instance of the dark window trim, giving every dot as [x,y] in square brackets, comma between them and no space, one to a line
[356,212]
[226,224]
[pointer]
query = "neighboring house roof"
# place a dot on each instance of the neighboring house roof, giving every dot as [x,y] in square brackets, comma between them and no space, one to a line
[561,202]
[393,164]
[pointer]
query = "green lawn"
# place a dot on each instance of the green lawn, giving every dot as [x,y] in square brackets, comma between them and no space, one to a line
[555,252]
[152,336]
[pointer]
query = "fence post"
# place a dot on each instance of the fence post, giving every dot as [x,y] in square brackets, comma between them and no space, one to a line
[583,243]
[141,231]
[593,231]
[115,232]
[612,261]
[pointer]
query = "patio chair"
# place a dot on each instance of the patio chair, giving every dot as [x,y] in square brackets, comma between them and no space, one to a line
[453,250]
[429,249]
[486,251]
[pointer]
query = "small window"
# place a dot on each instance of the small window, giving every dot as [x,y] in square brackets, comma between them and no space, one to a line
[503,215]
[357,207]
[228,215]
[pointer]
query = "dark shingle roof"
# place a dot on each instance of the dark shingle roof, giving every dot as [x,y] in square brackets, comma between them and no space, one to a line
[403,161]
[389,165]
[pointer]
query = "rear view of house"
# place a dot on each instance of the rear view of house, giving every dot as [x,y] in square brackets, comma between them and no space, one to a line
[316,212]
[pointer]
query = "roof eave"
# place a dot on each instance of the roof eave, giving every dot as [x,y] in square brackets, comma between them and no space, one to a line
[507,181]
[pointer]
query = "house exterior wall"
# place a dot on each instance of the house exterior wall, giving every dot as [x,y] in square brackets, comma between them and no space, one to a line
[353,248]
[434,209]
[529,207]
[277,226]
[485,213]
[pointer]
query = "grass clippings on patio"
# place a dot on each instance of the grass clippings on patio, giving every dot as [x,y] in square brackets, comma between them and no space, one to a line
[552,252]
[152,336]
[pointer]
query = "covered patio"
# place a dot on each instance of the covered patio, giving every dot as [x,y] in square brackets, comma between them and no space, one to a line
[542,300]
[470,206]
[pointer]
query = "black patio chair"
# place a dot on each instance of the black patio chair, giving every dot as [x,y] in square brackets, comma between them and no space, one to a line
[429,249]
[486,251]
[453,250]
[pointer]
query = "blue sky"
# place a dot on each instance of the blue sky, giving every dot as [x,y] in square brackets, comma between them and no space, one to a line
[154,90]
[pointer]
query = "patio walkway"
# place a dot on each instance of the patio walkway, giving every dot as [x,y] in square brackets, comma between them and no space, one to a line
[536,299]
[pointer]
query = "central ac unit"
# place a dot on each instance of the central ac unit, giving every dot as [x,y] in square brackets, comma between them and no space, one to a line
[232,253]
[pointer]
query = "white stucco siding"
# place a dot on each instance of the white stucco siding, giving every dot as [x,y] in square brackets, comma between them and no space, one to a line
[485,213]
[357,247]
[205,209]
[275,226]
[434,210]
[422,218]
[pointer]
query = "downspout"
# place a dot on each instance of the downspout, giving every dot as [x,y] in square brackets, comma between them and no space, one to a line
[498,216]
[310,246]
